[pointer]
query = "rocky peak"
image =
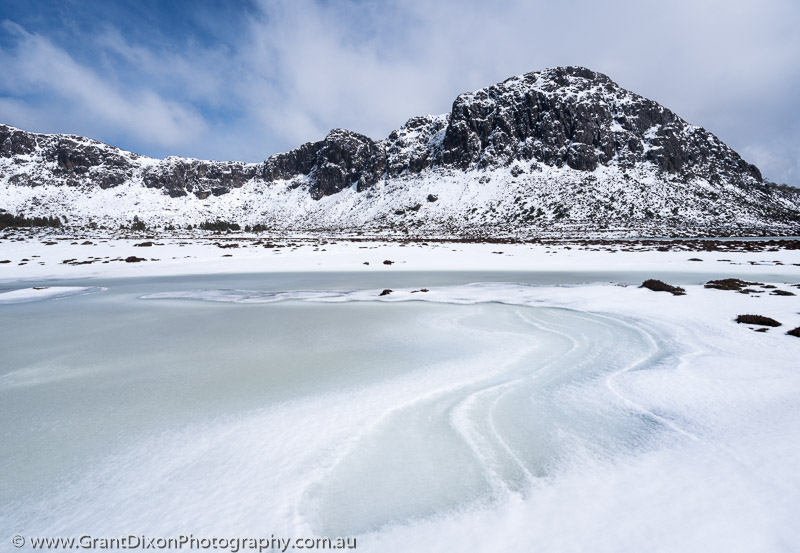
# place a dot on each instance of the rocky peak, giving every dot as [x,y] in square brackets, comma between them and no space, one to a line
[572,116]
[343,159]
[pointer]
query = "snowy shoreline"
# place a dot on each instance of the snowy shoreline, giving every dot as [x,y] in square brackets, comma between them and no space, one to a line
[49,257]
[45,256]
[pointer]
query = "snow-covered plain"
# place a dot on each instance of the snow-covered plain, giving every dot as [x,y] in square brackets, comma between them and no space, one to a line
[493,416]
[46,255]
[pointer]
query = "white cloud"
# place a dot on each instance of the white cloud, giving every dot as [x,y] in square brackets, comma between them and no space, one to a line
[782,158]
[81,96]
[194,73]
[299,68]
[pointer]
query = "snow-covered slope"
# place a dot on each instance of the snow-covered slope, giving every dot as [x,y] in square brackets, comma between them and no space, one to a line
[562,150]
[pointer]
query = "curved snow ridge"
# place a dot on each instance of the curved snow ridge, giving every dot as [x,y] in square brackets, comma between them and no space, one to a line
[533,413]
[489,292]
[37,293]
[249,296]
[496,439]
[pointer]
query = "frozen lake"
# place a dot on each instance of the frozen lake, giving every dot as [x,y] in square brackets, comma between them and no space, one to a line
[223,405]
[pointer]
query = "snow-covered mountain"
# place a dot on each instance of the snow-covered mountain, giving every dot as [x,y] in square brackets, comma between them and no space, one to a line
[562,150]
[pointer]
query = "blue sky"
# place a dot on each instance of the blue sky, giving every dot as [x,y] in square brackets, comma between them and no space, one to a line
[246,79]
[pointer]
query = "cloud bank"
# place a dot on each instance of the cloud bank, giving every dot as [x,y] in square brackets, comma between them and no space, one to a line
[249,79]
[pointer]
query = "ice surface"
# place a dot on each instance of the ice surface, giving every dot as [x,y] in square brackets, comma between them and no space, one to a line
[482,417]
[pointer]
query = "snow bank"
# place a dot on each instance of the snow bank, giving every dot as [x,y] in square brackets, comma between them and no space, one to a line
[24,295]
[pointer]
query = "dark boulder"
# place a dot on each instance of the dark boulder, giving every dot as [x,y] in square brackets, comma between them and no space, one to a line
[659,286]
[759,320]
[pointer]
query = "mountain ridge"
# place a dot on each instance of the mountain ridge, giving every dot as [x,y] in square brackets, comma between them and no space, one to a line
[562,149]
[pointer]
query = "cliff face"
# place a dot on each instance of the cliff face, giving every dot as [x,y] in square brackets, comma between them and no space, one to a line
[569,126]
[575,117]
[342,160]
[76,161]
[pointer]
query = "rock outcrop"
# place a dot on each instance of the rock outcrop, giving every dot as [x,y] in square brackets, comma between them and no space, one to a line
[343,159]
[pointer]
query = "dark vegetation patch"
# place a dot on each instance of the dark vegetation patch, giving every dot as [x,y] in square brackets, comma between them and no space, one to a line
[143,245]
[695,259]
[387,261]
[760,320]
[386,292]
[134,259]
[219,226]
[659,286]
[9,220]
[782,293]
[730,284]
[794,332]
[138,225]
